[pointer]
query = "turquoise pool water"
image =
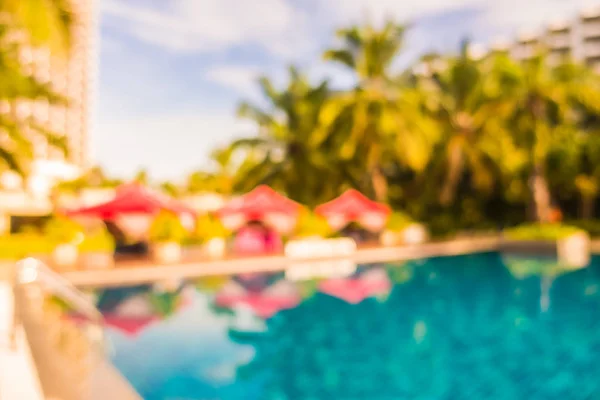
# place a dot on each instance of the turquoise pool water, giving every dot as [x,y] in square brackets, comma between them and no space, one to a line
[470,327]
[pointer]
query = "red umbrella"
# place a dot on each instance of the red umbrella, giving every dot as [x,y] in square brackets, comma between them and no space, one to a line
[353,206]
[355,290]
[261,204]
[134,199]
[279,296]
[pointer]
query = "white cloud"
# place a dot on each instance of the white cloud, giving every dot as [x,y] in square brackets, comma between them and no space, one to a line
[241,78]
[205,25]
[378,10]
[284,29]
[531,14]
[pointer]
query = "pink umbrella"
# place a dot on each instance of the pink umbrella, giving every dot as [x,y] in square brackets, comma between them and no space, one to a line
[353,206]
[261,204]
[355,290]
[279,296]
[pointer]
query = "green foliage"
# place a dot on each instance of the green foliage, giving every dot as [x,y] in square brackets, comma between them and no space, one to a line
[61,229]
[525,267]
[165,303]
[18,246]
[541,232]
[209,227]
[167,227]
[591,226]
[398,221]
[310,224]
[16,84]
[46,23]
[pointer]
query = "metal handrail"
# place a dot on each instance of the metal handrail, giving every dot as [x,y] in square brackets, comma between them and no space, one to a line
[31,270]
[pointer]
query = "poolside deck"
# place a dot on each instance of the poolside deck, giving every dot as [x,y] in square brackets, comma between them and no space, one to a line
[18,379]
[131,272]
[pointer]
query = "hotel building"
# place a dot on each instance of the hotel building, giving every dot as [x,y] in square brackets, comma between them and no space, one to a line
[73,77]
[578,38]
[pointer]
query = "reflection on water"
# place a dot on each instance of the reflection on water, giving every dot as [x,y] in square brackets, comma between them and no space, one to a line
[470,327]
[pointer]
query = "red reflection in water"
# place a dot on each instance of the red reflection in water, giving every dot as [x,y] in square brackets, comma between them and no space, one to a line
[266,303]
[355,290]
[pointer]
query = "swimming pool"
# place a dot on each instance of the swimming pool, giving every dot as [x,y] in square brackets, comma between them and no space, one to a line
[468,327]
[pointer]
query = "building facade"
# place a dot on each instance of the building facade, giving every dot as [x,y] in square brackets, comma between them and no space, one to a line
[578,38]
[74,77]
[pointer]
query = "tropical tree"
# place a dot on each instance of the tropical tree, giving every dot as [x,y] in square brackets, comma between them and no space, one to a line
[220,178]
[284,153]
[16,150]
[28,22]
[464,99]
[371,124]
[545,106]
[142,177]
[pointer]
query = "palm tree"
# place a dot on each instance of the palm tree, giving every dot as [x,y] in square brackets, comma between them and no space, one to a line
[284,153]
[142,177]
[545,108]
[16,149]
[220,179]
[463,97]
[364,123]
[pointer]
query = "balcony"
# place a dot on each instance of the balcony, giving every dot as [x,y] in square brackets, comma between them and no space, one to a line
[591,30]
[559,41]
[591,49]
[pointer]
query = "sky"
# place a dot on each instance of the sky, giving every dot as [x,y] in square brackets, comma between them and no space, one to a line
[172,71]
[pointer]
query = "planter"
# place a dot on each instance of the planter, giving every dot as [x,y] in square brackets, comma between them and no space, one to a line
[64,257]
[166,253]
[574,250]
[412,234]
[571,251]
[215,248]
[315,247]
[391,238]
[97,260]
[415,234]
[316,257]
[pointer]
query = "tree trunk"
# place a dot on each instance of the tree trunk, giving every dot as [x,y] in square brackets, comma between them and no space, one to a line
[455,170]
[540,194]
[380,186]
[587,206]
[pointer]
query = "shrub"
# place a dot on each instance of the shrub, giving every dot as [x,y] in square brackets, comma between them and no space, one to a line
[21,245]
[541,231]
[398,221]
[591,226]
[310,224]
[63,230]
[209,227]
[167,227]
[100,241]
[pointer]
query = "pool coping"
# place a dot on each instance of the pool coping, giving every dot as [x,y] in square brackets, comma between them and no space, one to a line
[148,272]
[151,273]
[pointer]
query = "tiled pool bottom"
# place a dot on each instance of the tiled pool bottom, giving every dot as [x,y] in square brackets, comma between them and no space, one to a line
[469,327]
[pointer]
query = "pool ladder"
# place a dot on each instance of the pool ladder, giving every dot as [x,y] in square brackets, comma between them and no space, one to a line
[70,362]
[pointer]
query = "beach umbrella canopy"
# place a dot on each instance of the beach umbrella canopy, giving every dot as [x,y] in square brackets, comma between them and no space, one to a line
[134,199]
[261,204]
[353,206]
[354,290]
[133,207]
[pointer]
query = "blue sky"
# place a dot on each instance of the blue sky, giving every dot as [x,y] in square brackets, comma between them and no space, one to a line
[172,71]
